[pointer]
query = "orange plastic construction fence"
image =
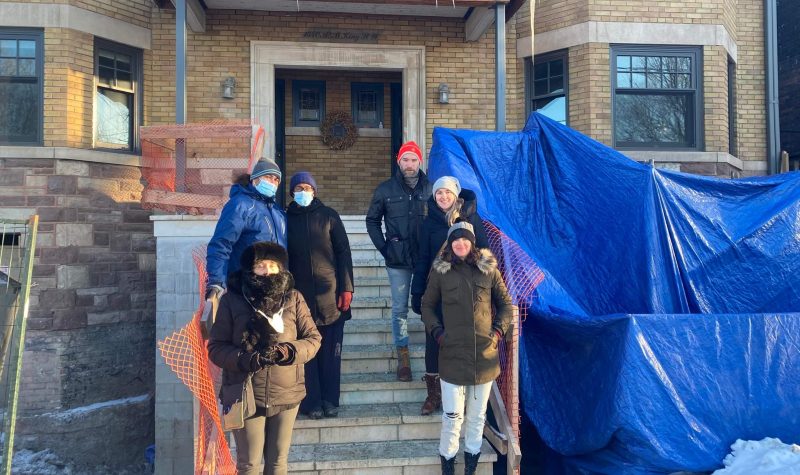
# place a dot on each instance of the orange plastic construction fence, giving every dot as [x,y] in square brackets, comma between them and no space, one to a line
[186,354]
[190,168]
[521,276]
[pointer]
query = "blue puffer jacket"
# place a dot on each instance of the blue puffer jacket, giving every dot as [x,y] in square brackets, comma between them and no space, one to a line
[246,218]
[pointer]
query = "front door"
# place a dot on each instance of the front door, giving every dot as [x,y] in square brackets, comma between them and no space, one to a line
[396,92]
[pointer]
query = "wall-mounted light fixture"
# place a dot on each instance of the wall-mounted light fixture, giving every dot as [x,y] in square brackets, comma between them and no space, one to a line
[228,86]
[444,94]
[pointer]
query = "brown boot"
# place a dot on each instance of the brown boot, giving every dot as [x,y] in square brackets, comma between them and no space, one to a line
[403,364]
[434,399]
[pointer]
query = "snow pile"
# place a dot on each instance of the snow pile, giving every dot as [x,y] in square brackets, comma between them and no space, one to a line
[764,457]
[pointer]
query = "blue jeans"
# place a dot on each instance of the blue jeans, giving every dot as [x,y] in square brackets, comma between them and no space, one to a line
[400,280]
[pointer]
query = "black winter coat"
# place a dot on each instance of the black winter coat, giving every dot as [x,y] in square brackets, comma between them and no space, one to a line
[434,233]
[319,258]
[402,210]
[279,385]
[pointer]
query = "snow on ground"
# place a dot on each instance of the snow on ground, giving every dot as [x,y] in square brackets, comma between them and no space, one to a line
[46,462]
[763,457]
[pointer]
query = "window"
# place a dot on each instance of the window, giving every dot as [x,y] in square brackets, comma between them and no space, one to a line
[21,86]
[367,99]
[308,102]
[657,101]
[546,87]
[118,97]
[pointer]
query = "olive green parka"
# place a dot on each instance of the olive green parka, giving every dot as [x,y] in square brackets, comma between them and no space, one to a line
[468,353]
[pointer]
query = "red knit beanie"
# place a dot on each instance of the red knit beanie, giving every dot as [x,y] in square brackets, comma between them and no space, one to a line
[410,147]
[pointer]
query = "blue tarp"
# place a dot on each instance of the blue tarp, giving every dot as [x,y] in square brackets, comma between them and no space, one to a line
[666,326]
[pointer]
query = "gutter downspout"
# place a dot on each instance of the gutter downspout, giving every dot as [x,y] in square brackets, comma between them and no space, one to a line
[180,93]
[771,68]
[500,66]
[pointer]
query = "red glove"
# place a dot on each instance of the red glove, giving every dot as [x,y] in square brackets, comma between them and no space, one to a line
[343,303]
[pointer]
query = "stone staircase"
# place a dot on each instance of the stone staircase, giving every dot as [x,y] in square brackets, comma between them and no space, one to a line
[379,429]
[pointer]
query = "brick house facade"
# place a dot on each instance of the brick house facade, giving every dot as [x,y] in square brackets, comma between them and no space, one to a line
[92,325]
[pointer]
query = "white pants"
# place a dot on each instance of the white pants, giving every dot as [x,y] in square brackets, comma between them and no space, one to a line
[456,402]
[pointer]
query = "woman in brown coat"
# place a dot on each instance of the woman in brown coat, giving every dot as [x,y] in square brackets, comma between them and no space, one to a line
[466,281]
[264,330]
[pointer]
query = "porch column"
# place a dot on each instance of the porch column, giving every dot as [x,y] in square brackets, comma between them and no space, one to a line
[500,67]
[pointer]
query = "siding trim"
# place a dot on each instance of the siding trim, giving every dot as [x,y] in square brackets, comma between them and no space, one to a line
[35,15]
[629,33]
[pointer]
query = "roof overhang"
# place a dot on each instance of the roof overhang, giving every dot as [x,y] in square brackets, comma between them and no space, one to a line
[418,8]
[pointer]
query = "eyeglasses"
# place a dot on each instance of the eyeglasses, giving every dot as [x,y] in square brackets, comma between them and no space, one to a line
[299,188]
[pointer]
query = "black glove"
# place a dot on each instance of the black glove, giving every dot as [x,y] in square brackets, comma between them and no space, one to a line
[282,353]
[250,362]
[416,303]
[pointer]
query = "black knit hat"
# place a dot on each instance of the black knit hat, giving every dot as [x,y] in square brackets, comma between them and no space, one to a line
[461,229]
[264,250]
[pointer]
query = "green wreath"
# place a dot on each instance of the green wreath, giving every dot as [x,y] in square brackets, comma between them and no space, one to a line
[338,130]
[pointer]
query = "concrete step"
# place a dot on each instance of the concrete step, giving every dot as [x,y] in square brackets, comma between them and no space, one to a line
[379,359]
[364,252]
[368,423]
[379,331]
[373,286]
[396,457]
[381,388]
[357,239]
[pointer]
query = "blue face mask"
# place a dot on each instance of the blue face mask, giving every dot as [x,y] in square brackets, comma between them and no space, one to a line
[266,188]
[303,198]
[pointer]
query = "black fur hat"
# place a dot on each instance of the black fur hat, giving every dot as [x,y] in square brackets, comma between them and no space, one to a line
[264,251]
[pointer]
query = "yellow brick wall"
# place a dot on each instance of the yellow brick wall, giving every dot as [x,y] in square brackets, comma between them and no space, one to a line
[68,81]
[715,98]
[345,179]
[590,91]
[750,82]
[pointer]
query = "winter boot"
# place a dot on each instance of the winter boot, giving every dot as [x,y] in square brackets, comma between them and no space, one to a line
[448,465]
[470,463]
[403,364]
[434,399]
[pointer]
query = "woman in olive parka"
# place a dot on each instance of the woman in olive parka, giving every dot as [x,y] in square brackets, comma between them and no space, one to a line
[466,282]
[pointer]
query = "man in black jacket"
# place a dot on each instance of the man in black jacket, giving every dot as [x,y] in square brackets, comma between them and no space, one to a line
[400,202]
[322,266]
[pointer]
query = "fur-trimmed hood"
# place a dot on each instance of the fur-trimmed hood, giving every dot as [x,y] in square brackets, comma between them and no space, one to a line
[487,263]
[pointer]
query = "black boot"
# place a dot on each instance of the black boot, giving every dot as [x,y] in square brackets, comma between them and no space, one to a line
[448,465]
[470,463]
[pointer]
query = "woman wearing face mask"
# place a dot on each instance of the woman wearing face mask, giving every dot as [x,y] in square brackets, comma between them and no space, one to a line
[320,260]
[250,215]
[465,283]
[264,331]
[448,203]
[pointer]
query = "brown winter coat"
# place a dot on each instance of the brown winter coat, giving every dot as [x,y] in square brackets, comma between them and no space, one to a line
[274,385]
[468,352]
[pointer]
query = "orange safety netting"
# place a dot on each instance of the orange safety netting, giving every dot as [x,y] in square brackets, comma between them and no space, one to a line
[191,167]
[521,276]
[186,354]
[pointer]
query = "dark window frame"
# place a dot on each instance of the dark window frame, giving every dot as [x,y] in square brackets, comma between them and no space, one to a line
[297,84]
[530,96]
[698,120]
[733,142]
[358,87]
[137,89]
[37,35]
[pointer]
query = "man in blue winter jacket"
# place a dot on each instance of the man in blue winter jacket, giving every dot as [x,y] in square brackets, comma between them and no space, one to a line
[250,215]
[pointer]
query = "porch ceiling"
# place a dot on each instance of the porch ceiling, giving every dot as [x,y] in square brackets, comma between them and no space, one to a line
[420,8]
